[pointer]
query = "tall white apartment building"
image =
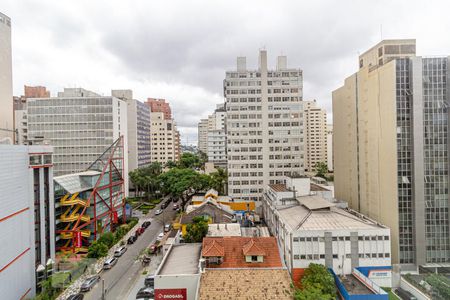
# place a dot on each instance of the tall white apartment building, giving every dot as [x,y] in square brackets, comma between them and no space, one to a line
[164,137]
[265,126]
[202,142]
[330,147]
[27,220]
[216,138]
[80,125]
[316,135]
[138,125]
[6,96]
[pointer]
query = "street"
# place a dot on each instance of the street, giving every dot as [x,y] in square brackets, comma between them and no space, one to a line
[123,276]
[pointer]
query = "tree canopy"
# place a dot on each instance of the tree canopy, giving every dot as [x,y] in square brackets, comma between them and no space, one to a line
[321,169]
[218,180]
[197,230]
[317,283]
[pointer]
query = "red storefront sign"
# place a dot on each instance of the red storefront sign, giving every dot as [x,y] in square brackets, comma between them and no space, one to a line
[78,241]
[170,294]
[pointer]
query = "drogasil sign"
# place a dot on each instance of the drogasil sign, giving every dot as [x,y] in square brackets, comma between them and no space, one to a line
[170,294]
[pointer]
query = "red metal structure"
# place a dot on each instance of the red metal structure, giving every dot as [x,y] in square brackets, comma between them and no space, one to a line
[94,200]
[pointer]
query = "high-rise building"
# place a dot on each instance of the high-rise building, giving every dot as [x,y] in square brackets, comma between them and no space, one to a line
[203,135]
[79,124]
[216,137]
[316,135]
[391,127]
[20,111]
[265,126]
[6,96]
[330,147]
[164,136]
[27,220]
[160,105]
[138,118]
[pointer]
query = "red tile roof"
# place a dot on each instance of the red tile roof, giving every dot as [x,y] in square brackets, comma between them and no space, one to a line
[251,248]
[236,248]
[213,249]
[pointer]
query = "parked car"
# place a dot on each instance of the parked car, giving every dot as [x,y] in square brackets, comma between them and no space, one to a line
[146,224]
[154,248]
[174,200]
[140,230]
[160,236]
[175,206]
[120,251]
[145,293]
[158,212]
[149,281]
[164,205]
[109,263]
[78,296]
[131,240]
[89,283]
[167,227]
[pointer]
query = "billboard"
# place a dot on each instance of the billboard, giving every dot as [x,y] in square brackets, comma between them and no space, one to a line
[170,294]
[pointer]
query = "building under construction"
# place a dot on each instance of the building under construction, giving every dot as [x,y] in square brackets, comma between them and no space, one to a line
[91,202]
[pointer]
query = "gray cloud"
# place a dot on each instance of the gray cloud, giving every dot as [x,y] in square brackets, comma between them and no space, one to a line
[180,50]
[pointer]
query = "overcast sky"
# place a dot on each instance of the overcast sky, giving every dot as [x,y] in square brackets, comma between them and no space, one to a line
[180,50]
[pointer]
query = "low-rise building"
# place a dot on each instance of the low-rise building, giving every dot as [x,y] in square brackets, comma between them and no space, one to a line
[241,252]
[227,229]
[238,206]
[311,229]
[178,275]
[224,284]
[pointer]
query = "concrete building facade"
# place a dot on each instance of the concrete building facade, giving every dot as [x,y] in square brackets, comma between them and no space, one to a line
[138,129]
[312,229]
[216,137]
[6,95]
[391,137]
[79,124]
[203,135]
[163,139]
[27,221]
[330,156]
[316,135]
[160,105]
[264,124]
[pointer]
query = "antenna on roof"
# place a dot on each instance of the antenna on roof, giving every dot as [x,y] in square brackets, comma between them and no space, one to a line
[381,32]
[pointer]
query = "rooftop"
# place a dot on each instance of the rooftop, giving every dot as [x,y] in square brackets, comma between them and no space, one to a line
[235,249]
[74,183]
[255,231]
[279,187]
[220,284]
[181,259]
[315,213]
[227,229]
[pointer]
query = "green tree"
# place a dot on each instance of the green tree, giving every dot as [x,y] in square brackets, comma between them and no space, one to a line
[108,239]
[321,169]
[183,183]
[146,178]
[171,164]
[197,230]
[97,250]
[219,180]
[189,161]
[317,283]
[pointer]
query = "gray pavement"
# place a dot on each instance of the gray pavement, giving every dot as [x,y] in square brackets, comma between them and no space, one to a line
[122,278]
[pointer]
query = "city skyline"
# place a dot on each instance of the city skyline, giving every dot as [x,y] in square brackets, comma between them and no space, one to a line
[132,53]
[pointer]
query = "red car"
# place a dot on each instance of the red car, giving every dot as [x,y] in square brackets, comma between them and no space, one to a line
[139,231]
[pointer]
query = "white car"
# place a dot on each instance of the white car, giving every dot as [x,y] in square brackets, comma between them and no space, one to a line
[160,236]
[120,251]
[158,212]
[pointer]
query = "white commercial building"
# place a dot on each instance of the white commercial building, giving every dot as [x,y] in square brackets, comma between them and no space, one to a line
[312,229]
[80,125]
[316,135]
[202,142]
[164,139]
[217,138]
[265,126]
[138,125]
[27,221]
[330,147]
[178,275]
[6,96]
